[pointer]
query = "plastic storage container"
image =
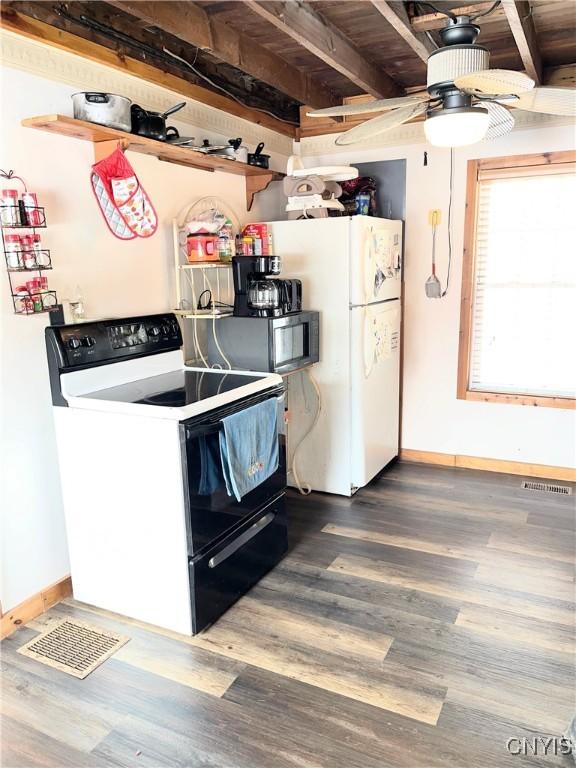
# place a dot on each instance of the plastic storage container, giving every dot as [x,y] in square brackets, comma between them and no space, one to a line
[202,248]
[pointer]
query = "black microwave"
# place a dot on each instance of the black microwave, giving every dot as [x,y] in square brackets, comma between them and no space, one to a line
[276,344]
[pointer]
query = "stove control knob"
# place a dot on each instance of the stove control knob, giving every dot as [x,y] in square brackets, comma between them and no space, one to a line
[165,330]
[73,342]
[88,341]
[154,331]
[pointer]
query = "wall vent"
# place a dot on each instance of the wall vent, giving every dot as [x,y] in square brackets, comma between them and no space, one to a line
[530,485]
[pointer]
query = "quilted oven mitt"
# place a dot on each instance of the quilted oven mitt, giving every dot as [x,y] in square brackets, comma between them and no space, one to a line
[124,203]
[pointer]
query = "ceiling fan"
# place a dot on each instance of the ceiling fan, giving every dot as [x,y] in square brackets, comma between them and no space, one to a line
[466,101]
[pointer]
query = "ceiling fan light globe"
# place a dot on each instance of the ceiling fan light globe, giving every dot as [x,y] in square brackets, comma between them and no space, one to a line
[457,127]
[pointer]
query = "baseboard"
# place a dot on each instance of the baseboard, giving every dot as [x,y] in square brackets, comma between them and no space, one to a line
[490,465]
[34,606]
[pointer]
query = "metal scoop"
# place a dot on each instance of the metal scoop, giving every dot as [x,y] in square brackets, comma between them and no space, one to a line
[432,285]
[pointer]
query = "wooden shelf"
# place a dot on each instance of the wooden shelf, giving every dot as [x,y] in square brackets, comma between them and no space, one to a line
[206,265]
[106,139]
[189,313]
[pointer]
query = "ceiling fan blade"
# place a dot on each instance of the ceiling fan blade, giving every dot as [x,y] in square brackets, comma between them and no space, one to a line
[550,101]
[495,82]
[370,106]
[380,124]
[501,121]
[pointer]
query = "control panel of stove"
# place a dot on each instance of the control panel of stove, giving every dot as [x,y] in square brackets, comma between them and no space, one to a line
[109,341]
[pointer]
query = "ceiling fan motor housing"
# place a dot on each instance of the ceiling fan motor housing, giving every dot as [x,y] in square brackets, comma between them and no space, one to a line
[446,64]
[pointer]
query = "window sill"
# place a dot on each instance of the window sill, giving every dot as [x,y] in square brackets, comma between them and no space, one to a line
[532,400]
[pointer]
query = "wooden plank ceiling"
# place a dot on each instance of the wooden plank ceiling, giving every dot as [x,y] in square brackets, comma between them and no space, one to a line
[275,56]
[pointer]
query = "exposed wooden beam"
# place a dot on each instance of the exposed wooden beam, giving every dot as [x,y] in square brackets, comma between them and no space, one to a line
[325,41]
[430,21]
[105,25]
[193,25]
[45,33]
[396,15]
[560,77]
[519,17]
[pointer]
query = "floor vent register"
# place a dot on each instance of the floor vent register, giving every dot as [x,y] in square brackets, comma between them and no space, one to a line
[73,647]
[530,485]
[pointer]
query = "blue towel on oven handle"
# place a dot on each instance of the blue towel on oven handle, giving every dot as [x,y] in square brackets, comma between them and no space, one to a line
[249,447]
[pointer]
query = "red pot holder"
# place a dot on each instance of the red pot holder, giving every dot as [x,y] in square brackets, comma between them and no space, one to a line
[124,203]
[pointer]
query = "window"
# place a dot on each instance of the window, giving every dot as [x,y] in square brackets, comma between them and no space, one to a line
[518,314]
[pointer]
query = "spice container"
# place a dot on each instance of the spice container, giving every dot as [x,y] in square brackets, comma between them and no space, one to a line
[34,287]
[25,303]
[28,253]
[225,242]
[49,300]
[9,212]
[42,256]
[12,247]
[30,200]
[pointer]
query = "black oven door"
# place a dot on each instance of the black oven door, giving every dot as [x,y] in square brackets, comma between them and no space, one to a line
[210,512]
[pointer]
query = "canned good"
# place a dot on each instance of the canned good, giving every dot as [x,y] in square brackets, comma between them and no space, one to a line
[9,211]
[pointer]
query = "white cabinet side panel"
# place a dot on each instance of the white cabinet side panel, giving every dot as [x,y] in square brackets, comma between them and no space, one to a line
[124,506]
[375,388]
[316,252]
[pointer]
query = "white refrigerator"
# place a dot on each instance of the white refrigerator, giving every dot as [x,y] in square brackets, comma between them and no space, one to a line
[351,272]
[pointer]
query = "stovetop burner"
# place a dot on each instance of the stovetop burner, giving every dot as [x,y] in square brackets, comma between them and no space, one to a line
[175,389]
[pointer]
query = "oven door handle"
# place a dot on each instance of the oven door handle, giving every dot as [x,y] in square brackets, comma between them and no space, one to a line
[203,431]
[244,538]
[214,428]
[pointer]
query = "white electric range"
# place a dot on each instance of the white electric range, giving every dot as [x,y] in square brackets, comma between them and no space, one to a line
[152,532]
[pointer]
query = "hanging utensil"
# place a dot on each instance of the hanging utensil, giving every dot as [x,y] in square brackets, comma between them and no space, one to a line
[175,108]
[432,286]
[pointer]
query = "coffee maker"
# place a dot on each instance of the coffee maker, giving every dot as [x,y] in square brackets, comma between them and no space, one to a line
[258,293]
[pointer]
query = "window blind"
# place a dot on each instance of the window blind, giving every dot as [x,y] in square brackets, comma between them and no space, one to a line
[524,298]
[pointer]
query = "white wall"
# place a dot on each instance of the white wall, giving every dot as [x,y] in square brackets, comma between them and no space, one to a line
[432,418]
[117,278]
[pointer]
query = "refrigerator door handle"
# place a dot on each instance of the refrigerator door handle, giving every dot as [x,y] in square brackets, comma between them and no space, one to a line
[374,303]
[244,538]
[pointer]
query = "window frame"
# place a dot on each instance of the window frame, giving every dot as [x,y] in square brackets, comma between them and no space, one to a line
[499,165]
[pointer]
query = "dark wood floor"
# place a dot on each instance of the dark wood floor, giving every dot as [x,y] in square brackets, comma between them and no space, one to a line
[423,623]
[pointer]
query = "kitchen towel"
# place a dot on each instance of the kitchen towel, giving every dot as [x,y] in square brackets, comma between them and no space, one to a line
[210,478]
[249,447]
